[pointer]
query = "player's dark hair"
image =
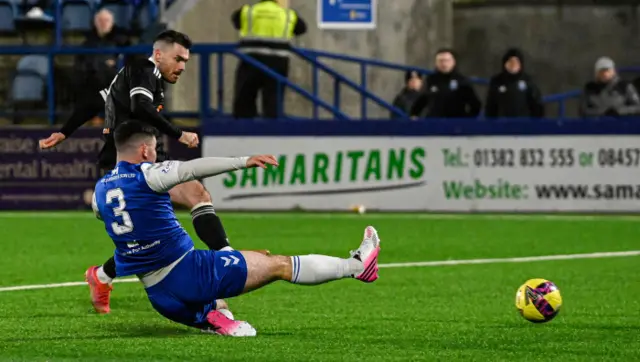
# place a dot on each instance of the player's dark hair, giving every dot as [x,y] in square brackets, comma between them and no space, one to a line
[447,50]
[132,131]
[173,37]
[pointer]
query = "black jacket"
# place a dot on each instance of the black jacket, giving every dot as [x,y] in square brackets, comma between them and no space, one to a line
[405,100]
[616,98]
[94,66]
[447,96]
[513,95]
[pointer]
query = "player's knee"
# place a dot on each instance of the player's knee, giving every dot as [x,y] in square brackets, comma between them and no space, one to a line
[197,194]
[201,194]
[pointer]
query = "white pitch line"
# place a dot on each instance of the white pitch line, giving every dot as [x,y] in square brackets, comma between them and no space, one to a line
[614,254]
[58,285]
[527,259]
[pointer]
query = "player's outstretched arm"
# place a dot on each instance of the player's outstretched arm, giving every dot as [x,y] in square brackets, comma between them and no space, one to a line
[161,177]
[142,85]
[82,113]
[142,107]
[55,139]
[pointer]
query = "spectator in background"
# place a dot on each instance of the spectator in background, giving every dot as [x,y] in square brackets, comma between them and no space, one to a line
[609,95]
[266,31]
[99,69]
[447,93]
[408,95]
[512,92]
[96,73]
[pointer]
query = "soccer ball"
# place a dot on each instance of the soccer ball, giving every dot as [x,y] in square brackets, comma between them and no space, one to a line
[538,300]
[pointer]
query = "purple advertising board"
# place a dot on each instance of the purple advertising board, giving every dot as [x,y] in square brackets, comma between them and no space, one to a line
[61,178]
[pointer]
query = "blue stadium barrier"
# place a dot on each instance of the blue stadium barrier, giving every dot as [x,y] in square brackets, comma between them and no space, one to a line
[203,50]
[315,100]
[365,95]
[364,63]
[312,56]
[467,127]
[561,98]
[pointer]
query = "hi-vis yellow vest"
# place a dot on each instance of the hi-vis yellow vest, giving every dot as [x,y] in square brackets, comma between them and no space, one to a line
[266,28]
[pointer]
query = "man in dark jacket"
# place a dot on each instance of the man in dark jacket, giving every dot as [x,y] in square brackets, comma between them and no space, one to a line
[99,69]
[609,95]
[408,95]
[96,71]
[447,93]
[512,92]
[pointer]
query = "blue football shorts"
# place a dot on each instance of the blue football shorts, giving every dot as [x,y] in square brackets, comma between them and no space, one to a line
[188,293]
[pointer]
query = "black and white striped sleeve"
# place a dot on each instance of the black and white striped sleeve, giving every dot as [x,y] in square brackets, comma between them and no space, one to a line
[142,84]
[143,80]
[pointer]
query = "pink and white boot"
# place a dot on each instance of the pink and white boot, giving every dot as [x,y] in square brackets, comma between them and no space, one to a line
[367,253]
[220,324]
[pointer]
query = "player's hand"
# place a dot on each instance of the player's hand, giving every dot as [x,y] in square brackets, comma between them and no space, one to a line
[190,139]
[53,140]
[262,161]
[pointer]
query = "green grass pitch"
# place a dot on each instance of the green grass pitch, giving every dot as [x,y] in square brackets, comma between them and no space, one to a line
[446,313]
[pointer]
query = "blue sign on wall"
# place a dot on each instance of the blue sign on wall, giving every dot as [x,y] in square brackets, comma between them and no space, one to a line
[347,14]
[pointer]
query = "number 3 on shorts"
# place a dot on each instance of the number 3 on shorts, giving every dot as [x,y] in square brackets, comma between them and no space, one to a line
[118,211]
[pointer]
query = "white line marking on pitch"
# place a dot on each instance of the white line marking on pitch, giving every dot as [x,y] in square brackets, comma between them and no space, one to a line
[527,259]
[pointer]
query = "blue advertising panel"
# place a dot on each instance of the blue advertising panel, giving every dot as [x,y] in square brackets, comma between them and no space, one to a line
[347,14]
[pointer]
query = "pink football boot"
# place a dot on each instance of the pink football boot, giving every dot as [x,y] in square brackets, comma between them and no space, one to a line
[222,325]
[100,292]
[367,253]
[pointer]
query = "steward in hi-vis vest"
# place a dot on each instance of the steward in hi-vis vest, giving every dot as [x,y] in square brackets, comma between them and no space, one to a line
[266,30]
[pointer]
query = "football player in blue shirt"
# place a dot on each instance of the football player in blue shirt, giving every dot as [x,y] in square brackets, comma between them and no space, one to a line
[183,283]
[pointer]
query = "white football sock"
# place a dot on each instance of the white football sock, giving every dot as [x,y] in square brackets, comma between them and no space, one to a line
[227,248]
[102,276]
[318,269]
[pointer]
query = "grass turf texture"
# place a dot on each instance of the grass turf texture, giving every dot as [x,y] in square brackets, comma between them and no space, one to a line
[463,312]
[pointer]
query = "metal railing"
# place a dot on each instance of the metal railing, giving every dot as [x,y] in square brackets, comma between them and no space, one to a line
[365,95]
[205,51]
[314,57]
[560,98]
